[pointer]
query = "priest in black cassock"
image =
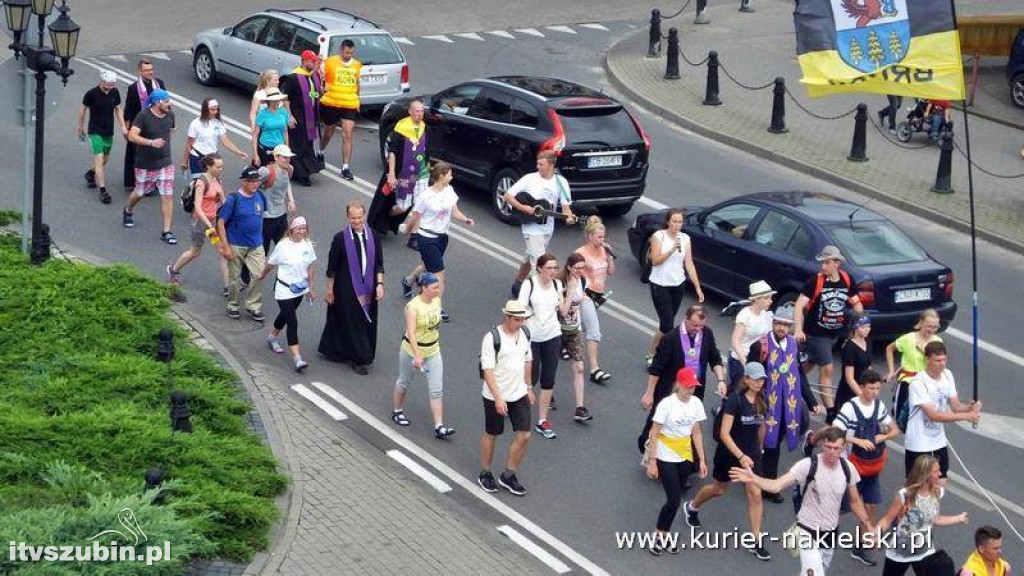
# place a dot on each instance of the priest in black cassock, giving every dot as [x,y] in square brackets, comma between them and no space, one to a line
[355,283]
[135,98]
[302,86]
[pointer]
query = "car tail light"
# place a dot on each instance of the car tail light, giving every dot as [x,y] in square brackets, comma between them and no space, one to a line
[946,284]
[866,293]
[405,77]
[641,131]
[557,142]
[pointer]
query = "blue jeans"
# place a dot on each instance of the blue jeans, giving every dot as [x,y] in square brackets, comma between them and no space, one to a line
[937,121]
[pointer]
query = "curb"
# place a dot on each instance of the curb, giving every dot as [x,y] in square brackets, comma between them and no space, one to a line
[795,164]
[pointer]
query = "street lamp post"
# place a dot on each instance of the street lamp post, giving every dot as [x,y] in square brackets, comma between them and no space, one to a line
[40,59]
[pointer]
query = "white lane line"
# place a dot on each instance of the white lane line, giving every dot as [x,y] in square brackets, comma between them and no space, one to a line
[967,486]
[470,36]
[424,474]
[594,26]
[652,203]
[440,38]
[482,244]
[530,32]
[543,555]
[565,29]
[987,347]
[320,402]
[157,55]
[471,487]
[186,52]
[116,58]
[501,34]
[403,40]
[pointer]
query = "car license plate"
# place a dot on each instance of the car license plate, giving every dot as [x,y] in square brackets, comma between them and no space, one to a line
[374,79]
[604,161]
[913,295]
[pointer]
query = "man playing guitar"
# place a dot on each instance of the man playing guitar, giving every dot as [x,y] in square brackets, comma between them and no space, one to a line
[550,191]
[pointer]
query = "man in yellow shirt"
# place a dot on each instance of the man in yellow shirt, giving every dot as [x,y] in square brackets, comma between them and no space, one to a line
[340,102]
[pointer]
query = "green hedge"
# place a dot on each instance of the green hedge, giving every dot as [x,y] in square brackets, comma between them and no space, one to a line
[84,411]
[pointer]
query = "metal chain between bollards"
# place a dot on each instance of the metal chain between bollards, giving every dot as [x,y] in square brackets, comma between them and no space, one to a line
[975,164]
[692,63]
[897,143]
[681,10]
[818,116]
[741,84]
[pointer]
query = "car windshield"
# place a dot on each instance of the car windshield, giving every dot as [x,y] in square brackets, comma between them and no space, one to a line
[371,49]
[874,243]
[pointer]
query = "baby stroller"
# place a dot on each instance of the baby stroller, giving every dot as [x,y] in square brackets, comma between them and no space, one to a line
[916,122]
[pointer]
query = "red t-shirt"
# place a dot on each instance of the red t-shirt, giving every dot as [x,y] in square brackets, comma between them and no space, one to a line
[940,105]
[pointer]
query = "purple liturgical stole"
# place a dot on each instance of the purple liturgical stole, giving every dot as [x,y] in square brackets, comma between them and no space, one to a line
[362,283]
[310,87]
[691,350]
[782,389]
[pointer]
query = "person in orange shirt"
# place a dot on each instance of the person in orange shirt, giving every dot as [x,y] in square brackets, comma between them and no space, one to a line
[340,102]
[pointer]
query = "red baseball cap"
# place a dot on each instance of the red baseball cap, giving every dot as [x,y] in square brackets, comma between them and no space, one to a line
[686,378]
[309,55]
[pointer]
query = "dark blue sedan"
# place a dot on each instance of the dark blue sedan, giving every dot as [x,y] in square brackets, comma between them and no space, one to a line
[774,236]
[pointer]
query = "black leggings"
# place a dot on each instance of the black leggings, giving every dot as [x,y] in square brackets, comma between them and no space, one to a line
[667,300]
[545,362]
[286,317]
[673,478]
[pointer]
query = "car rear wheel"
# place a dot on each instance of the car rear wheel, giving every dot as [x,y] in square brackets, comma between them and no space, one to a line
[503,180]
[1017,89]
[615,210]
[204,68]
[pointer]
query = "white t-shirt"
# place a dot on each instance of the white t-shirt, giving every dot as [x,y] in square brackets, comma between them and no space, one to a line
[677,419]
[923,433]
[544,323]
[824,497]
[542,189]
[509,366]
[847,418]
[757,326]
[435,210]
[292,260]
[671,272]
[206,134]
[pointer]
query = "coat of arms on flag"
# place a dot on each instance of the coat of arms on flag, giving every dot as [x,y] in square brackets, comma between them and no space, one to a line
[871,34]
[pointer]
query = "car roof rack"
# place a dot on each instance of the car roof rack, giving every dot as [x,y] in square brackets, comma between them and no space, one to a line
[293,14]
[349,14]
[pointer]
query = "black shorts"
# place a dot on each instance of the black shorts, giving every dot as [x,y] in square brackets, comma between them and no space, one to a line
[724,460]
[942,454]
[330,115]
[518,413]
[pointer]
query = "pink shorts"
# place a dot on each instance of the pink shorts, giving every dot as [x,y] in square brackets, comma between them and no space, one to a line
[162,179]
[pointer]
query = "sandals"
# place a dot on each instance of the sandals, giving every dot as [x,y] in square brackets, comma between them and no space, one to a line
[169,238]
[399,418]
[599,376]
[441,432]
[565,354]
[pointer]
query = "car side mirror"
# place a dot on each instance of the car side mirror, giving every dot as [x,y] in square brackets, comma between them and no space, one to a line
[227,31]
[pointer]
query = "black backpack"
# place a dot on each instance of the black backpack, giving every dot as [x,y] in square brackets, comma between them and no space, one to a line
[188,194]
[798,492]
[867,429]
[496,340]
[716,422]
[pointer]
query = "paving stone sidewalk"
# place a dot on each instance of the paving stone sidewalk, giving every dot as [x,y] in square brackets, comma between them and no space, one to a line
[349,509]
[756,48]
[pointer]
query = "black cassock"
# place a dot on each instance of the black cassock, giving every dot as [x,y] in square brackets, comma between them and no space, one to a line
[132,106]
[348,335]
[302,138]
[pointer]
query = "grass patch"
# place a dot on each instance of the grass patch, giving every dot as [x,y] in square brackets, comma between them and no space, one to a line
[85,412]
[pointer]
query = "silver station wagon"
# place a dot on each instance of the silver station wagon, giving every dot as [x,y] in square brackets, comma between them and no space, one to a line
[275,38]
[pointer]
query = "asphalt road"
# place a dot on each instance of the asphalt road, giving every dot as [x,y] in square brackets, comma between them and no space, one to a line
[585,485]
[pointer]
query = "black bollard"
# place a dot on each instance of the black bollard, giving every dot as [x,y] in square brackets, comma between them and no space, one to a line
[702,17]
[40,251]
[654,36]
[944,175]
[779,107]
[165,346]
[672,62]
[711,93]
[858,150]
[180,412]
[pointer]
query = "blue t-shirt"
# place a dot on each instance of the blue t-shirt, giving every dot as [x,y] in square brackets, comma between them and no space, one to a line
[272,126]
[243,219]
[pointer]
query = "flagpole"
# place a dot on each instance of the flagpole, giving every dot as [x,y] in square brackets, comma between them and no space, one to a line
[974,243]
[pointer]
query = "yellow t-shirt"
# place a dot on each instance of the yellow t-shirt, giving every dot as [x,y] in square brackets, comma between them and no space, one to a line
[428,319]
[341,88]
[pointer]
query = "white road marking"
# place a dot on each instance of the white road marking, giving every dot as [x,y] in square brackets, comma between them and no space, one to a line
[987,347]
[470,36]
[500,33]
[543,555]
[157,55]
[116,58]
[414,467]
[320,402]
[403,40]
[530,32]
[440,38]
[186,52]
[652,203]
[594,26]
[1006,429]
[489,248]
[565,29]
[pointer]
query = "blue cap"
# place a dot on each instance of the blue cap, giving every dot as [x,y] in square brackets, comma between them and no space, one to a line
[158,95]
[427,278]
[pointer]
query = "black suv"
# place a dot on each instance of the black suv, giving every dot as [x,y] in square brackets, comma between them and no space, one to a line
[491,130]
